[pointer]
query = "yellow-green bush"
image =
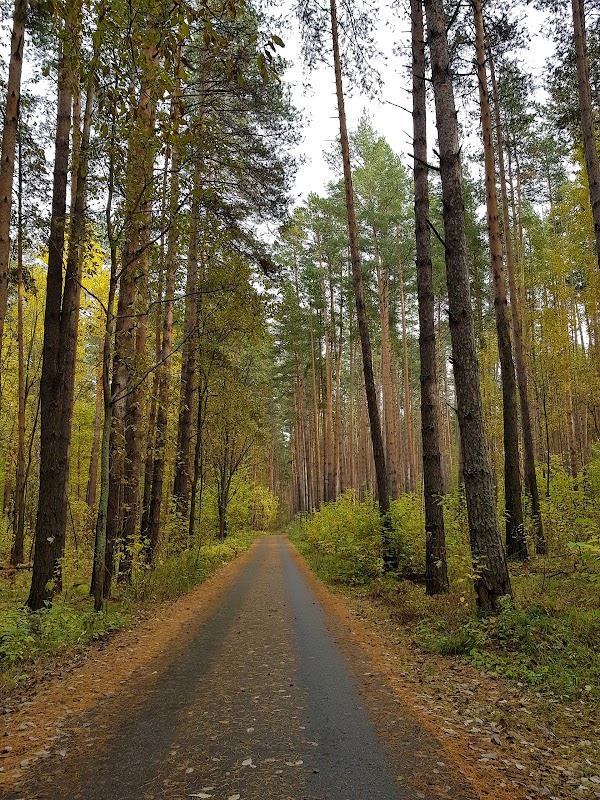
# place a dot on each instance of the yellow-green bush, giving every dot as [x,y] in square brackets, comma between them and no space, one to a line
[343,539]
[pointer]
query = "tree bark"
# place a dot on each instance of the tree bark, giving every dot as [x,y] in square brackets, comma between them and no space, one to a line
[317,432]
[9,143]
[516,545]
[328,483]
[131,330]
[54,467]
[389,428]
[436,570]
[389,556]
[167,338]
[181,483]
[408,416]
[529,472]
[92,484]
[16,554]
[585,112]
[492,580]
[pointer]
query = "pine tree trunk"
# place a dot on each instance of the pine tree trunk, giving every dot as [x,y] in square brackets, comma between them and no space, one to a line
[9,142]
[436,571]
[408,416]
[389,556]
[52,510]
[92,484]
[389,428]
[197,486]
[131,330]
[100,539]
[329,489]
[516,546]
[492,580]
[181,483]
[352,481]
[17,554]
[529,472]
[167,338]
[586,114]
[315,403]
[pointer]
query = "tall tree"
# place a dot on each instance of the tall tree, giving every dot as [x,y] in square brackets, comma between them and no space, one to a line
[586,115]
[436,570]
[492,580]
[529,471]
[60,325]
[9,142]
[516,546]
[361,315]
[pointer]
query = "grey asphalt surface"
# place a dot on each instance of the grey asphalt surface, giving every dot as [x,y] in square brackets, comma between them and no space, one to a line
[260,704]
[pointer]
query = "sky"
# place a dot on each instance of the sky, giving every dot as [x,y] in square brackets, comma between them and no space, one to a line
[319,108]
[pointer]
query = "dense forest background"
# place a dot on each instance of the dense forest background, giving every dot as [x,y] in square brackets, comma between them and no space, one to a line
[406,365]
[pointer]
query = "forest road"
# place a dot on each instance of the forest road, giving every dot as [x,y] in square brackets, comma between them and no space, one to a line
[268,699]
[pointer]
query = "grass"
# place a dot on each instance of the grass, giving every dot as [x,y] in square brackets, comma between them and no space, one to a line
[30,641]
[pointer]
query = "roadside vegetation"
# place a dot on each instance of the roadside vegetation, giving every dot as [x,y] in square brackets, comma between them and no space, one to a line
[546,638]
[31,643]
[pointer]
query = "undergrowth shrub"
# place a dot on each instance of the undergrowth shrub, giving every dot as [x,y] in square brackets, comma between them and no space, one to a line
[180,573]
[25,636]
[554,653]
[343,539]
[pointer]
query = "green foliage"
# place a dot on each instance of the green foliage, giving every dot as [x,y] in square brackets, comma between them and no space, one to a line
[408,523]
[251,507]
[26,637]
[554,652]
[343,539]
[546,639]
[182,572]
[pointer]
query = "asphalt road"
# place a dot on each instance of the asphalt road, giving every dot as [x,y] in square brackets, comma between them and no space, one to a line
[266,700]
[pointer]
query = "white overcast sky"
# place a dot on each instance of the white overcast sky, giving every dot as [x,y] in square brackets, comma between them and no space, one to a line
[319,107]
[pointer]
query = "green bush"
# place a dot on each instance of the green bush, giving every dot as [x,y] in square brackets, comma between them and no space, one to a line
[182,572]
[343,539]
[25,636]
[555,653]
[408,523]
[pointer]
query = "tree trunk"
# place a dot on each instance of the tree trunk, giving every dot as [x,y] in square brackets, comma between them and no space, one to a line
[131,331]
[52,509]
[529,472]
[181,483]
[516,546]
[167,340]
[92,484]
[328,486]
[585,112]
[9,142]
[390,557]
[100,539]
[436,570]
[315,403]
[389,428]
[352,481]
[492,580]
[408,417]
[197,487]
[16,554]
